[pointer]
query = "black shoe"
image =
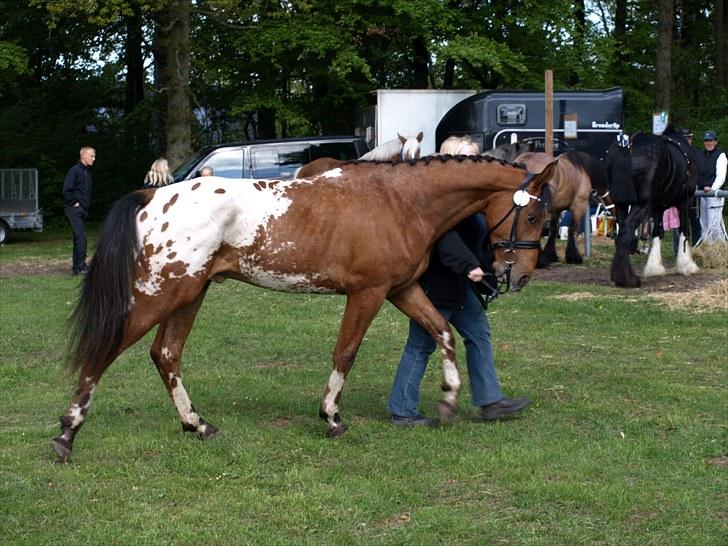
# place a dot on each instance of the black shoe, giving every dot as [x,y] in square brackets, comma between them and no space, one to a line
[502,408]
[414,421]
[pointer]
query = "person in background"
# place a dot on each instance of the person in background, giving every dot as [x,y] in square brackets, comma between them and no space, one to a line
[457,262]
[76,203]
[206,171]
[695,210]
[671,221]
[158,175]
[711,177]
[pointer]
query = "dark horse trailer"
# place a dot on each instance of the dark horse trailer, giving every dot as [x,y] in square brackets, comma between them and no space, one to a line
[493,118]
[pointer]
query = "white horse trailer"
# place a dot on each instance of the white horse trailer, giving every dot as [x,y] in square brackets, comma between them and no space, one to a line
[407,112]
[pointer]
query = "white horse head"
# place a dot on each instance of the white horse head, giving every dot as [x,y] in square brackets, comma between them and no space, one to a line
[401,148]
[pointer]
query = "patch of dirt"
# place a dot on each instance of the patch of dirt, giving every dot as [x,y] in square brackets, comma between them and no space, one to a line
[35,267]
[586,274]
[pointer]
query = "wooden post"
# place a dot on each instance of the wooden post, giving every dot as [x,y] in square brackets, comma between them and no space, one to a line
[549,125]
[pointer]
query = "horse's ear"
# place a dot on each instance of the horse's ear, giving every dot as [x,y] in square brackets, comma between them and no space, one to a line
[401,138]
[419,136]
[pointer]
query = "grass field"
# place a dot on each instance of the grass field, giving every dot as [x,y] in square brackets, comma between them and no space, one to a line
[626,441]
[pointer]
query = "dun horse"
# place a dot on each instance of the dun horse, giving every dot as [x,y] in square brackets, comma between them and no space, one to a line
[364,230]
[576,177]
[647,175]
[400,149]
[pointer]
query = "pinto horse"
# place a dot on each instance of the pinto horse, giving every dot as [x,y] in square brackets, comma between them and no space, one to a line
[647,175]
[399,149]
[365,230]
[577,176]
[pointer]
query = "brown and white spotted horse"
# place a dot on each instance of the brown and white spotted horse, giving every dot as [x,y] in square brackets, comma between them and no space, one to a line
[365,230]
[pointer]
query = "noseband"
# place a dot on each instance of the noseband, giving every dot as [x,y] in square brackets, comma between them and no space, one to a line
[521,198]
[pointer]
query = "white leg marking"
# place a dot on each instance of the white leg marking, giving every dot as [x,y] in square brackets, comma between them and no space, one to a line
[450,370]
[336,383]
[76,411]
[654,266]
[685,264]
[183,404]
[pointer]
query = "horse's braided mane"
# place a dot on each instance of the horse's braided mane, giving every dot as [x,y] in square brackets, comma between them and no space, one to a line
[443,158]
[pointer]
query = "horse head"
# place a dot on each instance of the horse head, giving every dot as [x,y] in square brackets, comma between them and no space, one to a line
[410,146]
[515,220]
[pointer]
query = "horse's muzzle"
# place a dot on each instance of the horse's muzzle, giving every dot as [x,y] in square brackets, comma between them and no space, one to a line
[520,283]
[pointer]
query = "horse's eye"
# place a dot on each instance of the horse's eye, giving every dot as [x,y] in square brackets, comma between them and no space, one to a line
[532,219]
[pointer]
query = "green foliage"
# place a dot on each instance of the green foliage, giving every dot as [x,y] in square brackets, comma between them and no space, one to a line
[305,67]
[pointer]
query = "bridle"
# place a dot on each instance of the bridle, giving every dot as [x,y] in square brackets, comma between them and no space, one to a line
[521,198]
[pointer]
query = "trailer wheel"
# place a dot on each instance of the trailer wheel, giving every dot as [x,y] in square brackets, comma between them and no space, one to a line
[4,232]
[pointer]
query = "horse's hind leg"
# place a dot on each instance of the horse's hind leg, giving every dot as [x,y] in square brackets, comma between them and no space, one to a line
[88,378]
[413,302]
[572,250]
[166,352]
[360,310]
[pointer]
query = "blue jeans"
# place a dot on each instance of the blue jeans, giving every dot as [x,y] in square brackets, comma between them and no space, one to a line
[472,324]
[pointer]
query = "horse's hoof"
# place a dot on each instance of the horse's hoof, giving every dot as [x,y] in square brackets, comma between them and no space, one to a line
[338,431]
[446,411]
[62,449]
[210,431]
[574,260]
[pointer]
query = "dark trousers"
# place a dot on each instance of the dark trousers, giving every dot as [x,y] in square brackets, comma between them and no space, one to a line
[76,217]
[695,230]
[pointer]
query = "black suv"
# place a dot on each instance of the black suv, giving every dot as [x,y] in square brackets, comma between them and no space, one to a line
[269,158]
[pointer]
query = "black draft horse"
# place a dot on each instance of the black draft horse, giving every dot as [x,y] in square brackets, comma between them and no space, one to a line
[647,175]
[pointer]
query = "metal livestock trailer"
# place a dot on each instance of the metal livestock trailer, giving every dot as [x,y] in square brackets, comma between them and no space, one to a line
[19,201]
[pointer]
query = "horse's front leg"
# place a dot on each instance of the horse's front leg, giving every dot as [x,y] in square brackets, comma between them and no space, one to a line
[361,307]
[548,255]
[572,250]
[414,303]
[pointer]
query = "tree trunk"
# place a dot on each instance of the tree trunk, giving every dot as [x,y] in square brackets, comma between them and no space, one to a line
[449,77]
[134,61]
[580,25]
[721,43]
[174,38]
[620,34]
[420,63]
[663,68]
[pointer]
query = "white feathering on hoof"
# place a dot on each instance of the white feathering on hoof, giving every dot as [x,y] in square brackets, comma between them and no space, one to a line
[654,266]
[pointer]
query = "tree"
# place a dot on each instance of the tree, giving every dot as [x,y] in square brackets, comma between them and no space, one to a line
[663,68]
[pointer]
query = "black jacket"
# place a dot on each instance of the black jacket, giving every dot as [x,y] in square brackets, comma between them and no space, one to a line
[77,187]
[707,167]
[456,253]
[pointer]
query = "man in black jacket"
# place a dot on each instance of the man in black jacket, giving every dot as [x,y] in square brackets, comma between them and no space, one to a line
[76,202]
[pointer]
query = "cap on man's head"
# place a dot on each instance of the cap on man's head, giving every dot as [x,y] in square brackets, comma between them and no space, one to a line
[687,133]
[709,135]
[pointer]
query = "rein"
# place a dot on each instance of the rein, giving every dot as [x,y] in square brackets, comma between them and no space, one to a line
[521,198]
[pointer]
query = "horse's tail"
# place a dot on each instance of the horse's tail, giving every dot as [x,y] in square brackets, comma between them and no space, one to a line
[619,174]
[98,321]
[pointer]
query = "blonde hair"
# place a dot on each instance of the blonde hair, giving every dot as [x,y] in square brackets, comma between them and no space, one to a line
[158,174]
[455,145]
